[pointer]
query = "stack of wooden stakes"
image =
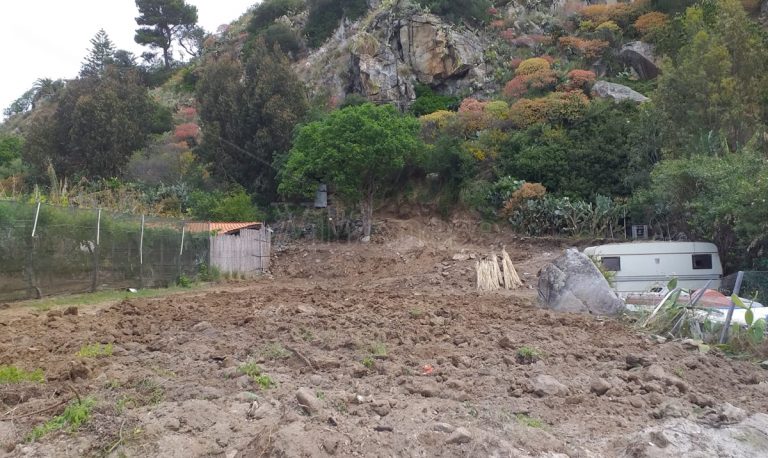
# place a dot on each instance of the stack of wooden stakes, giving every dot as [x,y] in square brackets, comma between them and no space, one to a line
[491,278]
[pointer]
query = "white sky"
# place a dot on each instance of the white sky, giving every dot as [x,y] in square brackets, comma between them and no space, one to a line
[50,38]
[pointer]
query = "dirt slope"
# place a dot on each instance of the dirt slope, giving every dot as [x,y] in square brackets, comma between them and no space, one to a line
[442,375]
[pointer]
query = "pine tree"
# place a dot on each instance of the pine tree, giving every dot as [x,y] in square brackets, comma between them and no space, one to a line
[161,21]
[101,54]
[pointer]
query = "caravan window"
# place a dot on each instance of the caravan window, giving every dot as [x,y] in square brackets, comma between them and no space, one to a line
[612,264]
[702,261]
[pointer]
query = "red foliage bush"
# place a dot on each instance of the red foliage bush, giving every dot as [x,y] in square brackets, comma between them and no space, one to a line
[188,113]
[186,131]
[589,49]
[578,80]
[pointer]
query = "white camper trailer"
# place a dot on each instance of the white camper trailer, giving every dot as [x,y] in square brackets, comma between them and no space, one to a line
[642,266]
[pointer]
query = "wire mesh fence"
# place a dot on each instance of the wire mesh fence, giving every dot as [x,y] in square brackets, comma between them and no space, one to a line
[46,250]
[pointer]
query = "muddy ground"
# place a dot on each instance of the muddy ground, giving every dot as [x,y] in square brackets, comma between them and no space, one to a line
[377,350]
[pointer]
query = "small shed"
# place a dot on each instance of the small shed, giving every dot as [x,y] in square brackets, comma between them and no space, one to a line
[237,248]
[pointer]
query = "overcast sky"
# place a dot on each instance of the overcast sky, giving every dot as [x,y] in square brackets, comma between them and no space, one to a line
[50,38]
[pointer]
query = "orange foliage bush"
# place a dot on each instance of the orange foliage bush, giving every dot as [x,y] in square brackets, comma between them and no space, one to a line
[555,107]
[621,13]
[186,131]
[531,74]
[651,22]
[579,79]
[528,191]
[589,49]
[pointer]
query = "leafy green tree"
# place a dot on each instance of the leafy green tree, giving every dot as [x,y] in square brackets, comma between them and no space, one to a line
[160,20]
[94,127]
[356,150]
[712,96]
[101,55]
[248,116]
[267,11]
[10,154]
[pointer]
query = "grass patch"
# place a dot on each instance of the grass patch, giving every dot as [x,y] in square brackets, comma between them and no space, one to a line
[12,374]
[100,297]
[95,350]
[368,362]
[530,422]
[275,351]
[252,370]
[416,313]
[75,415]
[378,350]
[527,355]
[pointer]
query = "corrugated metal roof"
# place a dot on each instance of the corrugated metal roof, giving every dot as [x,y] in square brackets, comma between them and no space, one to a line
[222,228]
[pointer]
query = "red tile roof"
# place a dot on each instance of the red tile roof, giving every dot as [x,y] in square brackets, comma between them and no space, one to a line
[221,228]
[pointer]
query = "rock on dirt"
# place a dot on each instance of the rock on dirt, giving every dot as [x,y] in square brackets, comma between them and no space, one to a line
[599,386]
[459,436]
[572,283]
[308,401]
[685,437]
[546,385]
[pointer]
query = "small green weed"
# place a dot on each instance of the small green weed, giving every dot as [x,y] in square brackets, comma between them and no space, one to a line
[378,350]
[416,313]
[123,403]
[471,410]
[95,350]
[530,422]
[264,381]
[368,362]
[341,406]
[74,416]
[12,374]
[306,334]
[527,355]
[153,391]
[183,281]
[275,351]
[320,395]
[251,369]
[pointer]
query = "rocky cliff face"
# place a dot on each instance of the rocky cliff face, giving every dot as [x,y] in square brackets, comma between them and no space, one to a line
[385,56]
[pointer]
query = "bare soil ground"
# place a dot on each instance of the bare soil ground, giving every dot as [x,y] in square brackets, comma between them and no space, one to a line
[391,352]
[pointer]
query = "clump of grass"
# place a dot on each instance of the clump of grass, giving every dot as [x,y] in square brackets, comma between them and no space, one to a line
[416,313]
[264,381]
[306,334]
[152,391]
[368,362]
[75,415]
[12,374]
[527,355]
[530,422]
[378,350]
[95,350]
[252,370]
[275,351]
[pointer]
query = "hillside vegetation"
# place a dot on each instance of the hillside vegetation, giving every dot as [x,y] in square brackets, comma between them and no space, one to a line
[557,118]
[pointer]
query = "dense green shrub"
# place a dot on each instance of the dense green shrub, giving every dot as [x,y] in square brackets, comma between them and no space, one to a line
[267,11]
[472,11]
[325,16]
[283,36]
[224,207]
[428,101]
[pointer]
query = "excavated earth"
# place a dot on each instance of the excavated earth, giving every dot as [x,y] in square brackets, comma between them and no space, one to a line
[374,350]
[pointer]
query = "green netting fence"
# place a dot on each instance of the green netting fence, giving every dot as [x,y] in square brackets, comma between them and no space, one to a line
[47,250]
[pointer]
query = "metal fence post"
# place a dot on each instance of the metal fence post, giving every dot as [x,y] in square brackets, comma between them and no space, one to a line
[141,255]
[181,248]
[729,317]
[32,277]
[95,275]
